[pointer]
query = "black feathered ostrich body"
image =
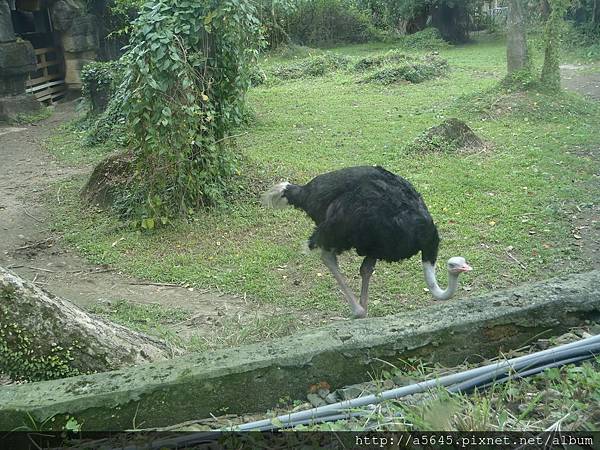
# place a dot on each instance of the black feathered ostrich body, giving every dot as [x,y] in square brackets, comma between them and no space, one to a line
[375,212]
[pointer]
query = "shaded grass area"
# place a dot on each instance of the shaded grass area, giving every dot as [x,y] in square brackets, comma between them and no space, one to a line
[33,117]
[146,318]
[67,145]
[507,210]
[176,325]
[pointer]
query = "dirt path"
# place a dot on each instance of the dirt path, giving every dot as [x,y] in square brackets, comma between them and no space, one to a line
[30,248]
[581,78]
[585,79]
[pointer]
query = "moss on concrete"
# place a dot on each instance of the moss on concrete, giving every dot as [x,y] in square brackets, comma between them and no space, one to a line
[253,378]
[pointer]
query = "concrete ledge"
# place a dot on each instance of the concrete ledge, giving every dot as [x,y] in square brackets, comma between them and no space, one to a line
[253,378]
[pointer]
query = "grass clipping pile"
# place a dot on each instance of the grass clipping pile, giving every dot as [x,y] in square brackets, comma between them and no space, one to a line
[452,135]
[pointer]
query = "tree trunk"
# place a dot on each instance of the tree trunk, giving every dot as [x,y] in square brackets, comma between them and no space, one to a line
[516,45]
[453,22]
[44,337]
[551,70]
[544,9]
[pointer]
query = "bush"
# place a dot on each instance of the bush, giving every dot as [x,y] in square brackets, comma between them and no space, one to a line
[584,38]
[327,22]
[104,121]
[415,71]
[99,82]
[187,73]
[427,39]
[274,17]
[108,126]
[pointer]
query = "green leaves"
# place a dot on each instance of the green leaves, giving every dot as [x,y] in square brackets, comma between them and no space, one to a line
[189,69]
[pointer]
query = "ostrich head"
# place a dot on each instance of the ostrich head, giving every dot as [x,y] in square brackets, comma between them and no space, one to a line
[458,265]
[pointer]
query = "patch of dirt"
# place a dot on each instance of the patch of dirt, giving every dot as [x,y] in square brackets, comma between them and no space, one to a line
[581,78]
[30,248]
[585,79]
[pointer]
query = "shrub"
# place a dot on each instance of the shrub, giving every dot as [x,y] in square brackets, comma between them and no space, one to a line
[274,17]
[187,73]
[99,81]
[584,39]
[415,71]
[327,22]
[104,120]
[427,39]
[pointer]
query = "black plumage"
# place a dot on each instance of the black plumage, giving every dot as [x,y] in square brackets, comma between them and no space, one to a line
[379,214]
[374,211]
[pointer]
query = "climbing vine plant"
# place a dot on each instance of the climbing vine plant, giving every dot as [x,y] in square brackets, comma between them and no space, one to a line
[188,73]
[550,76]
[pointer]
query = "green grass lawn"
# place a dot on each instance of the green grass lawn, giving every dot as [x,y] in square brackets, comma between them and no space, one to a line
[513,200]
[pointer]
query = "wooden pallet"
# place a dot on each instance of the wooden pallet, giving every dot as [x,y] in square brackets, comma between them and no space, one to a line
[49,83]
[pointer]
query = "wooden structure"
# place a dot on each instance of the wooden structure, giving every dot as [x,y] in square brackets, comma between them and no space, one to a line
[47,83]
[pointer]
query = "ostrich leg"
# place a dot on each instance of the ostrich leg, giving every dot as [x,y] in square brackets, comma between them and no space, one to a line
[330,260]
[366,270]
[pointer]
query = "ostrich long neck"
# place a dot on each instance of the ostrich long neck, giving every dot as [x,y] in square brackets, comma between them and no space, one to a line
[432,284]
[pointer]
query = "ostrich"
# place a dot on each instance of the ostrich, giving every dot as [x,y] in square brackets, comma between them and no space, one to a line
[377,213]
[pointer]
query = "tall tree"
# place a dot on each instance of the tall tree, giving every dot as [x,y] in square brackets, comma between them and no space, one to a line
[517,56]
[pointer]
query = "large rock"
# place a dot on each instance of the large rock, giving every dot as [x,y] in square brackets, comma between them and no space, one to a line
[7,33]
[82,36]
[64,11]
[450,135]
[45,337]
[16,58]
[13,105]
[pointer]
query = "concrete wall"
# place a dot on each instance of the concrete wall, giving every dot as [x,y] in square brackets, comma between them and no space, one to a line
[254,377]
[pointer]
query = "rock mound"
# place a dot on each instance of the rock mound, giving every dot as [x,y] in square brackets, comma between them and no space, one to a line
[450,135]
[109,177]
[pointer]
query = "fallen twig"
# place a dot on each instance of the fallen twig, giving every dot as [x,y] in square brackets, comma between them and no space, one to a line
[90,271]
[39,268]
[189,319]
[523,266]
[33,217]
[35,244]
[231,137]
[148,283]
[190,422]
[58,195]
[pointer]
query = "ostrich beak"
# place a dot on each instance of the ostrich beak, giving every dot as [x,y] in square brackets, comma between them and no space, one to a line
[465,268]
